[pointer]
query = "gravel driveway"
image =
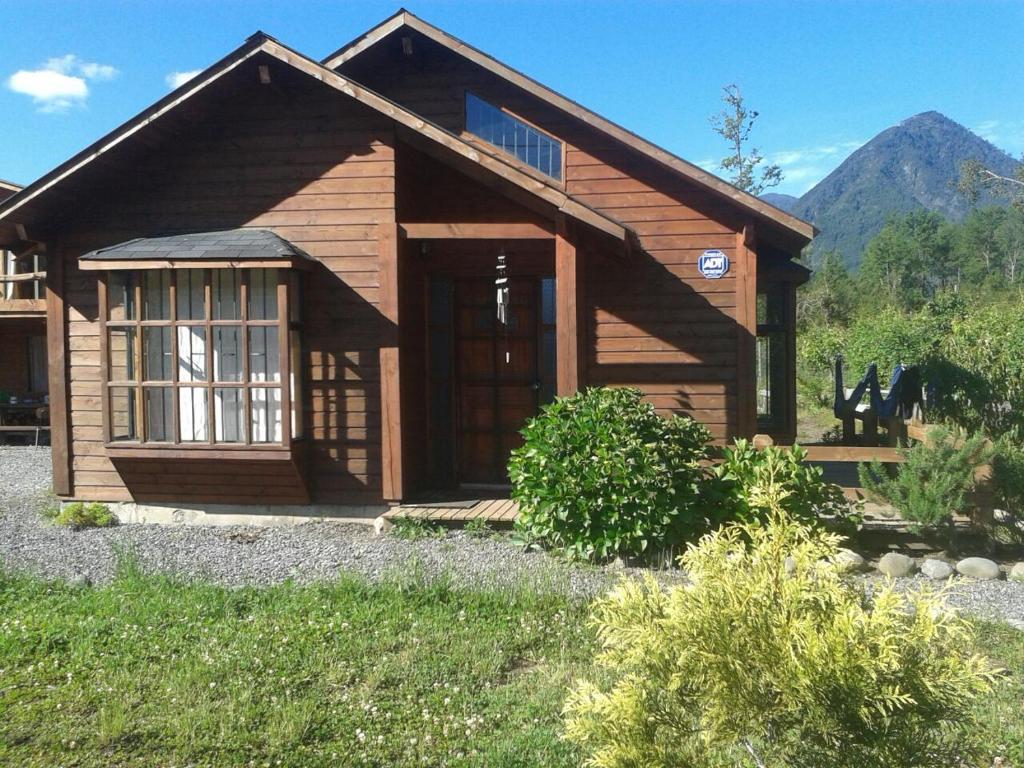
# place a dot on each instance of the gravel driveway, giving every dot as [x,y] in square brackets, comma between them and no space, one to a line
[314,551]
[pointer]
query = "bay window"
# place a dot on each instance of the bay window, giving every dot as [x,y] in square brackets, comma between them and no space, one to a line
[201,357]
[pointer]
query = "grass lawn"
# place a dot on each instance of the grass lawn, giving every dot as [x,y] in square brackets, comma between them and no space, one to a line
[149,672]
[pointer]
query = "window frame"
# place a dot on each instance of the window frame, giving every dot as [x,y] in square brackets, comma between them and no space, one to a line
[781,419]
[289,280]
[560,181]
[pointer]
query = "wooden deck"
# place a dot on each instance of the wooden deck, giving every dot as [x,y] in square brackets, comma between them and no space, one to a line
[490,510]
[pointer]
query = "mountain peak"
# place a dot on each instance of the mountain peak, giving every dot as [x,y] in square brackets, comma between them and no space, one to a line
[914,165]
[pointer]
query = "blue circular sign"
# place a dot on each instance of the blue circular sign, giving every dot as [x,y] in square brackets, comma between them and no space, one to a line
[713,264]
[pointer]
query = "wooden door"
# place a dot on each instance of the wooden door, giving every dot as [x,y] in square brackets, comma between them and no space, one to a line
[498,381]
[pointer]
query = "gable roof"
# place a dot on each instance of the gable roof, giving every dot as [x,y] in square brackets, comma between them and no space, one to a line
[404,19]
[494,167]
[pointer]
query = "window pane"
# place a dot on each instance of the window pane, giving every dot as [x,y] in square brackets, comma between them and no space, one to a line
[156,294]
[121,343]
[227,353]
[266,415]
[192,414]
[229,415]
[156,354]
[295,377]
[513,136]
[159,406]
[121,296]
[263,294]
[264,354]
[547,301]
[771,307]
[190,293]
[771,372]
[122,414]
[191,353]
[227,294]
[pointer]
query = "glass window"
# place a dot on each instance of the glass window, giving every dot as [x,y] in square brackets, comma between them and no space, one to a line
[514,137]
[206,369]
[774,336]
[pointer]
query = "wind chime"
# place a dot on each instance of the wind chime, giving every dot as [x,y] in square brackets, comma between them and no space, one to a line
[502,299]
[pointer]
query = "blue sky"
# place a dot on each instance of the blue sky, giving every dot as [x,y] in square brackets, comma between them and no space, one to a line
[825,76]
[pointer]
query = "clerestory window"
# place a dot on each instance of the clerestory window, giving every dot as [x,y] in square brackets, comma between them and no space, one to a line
[514,137]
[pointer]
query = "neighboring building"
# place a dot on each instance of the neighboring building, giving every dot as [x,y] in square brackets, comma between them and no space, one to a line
[22,319]
[277,285]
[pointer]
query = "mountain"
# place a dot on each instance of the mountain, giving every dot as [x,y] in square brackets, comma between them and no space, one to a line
[779,200]
[911,166]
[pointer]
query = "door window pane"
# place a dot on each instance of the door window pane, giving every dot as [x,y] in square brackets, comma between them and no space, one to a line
[266,415]
[229,415]
[122,414]
[226,285]
[121,296]
[227,353]
[190,293]
[191,353]
[264,354]
[263,294]
[156,294]
[192,414]
[156,354]
[159,407]
[121,344]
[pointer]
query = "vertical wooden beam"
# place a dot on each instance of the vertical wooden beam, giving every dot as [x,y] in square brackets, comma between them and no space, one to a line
[570,329]
[388,249]
[746,332]
[57,360]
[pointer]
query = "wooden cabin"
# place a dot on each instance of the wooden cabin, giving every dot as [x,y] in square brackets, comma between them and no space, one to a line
[348,283]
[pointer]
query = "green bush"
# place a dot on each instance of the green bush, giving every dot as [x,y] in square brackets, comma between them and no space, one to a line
[1008,485]
[415,529]
[750,476]
[78,516]
[601,474]
[933,483]
[761,662]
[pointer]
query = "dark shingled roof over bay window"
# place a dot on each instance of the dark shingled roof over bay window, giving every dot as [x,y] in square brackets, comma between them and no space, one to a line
[225,245]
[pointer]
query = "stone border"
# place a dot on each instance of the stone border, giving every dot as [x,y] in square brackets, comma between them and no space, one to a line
[265,515]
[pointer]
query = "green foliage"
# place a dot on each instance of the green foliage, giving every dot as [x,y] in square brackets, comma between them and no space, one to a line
[416,529]
[760,664]
[601,474]
[477,528]
[1008,485]
[748,475]
[78,516]
[933,483]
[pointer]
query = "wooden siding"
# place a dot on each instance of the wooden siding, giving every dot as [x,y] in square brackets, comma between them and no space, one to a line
[651,320]
[316,167]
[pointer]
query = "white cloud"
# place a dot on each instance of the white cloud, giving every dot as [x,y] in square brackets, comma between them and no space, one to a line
[60,83]
[178,79]
[803,168]
[1008,135]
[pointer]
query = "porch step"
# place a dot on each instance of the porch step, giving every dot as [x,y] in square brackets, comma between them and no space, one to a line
[490,510]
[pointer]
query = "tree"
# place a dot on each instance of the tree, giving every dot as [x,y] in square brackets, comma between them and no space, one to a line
[734,124]
[976,178]
[829,296]
[911,260]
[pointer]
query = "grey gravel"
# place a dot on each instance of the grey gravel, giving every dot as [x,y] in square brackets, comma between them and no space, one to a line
[242,555]
[239,555]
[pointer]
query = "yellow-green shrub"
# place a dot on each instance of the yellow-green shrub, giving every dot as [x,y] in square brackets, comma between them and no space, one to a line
[770,658]
[78,515]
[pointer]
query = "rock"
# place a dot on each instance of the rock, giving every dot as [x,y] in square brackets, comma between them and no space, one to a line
[80,580]
[936,569]
[789,566]
[382,525]
[896,565]
[980,568]
[1017,572]
[848,561]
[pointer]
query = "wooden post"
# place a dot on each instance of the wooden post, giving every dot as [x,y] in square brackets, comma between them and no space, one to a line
[389,247]
[57,362]
[569,301]
[746,332]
